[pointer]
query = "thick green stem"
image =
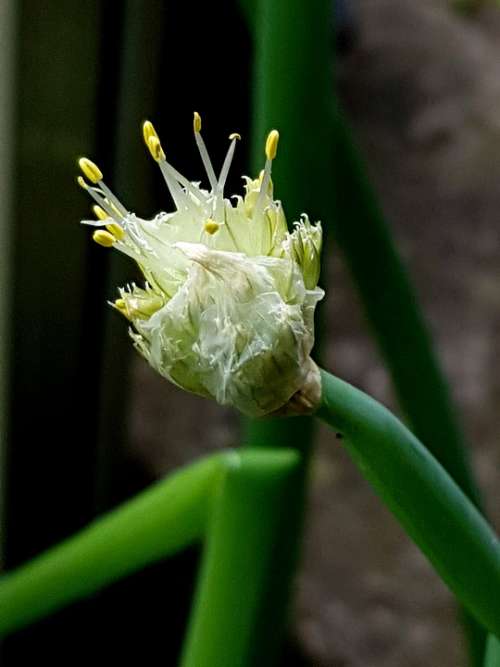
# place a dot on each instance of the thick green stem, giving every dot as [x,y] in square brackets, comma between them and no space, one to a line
[292,92]
[322,173]
[160,521]
[436,514]
[492,657]
[237,619]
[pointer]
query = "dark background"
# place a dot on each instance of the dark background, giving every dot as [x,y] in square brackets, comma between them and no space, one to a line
[90,424]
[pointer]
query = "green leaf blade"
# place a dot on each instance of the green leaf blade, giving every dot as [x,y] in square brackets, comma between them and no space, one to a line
[165,518]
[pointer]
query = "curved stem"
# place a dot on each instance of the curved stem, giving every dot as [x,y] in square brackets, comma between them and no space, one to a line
[158,522]
[436,514]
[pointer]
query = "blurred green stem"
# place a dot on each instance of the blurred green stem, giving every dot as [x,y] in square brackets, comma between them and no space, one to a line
[291,92]
[399,327]
[158,522]
[393,311]
[436,514]
[319,170]
[238,614]
[492,657]
[469,8]
[237,619]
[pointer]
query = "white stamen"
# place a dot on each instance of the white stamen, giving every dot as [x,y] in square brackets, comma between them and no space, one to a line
[226,166]
[219,194]
[98,196]
[263,188]
[194,191]
[173,178]
[206,160]
[97,223]
[112,198]
[180,199]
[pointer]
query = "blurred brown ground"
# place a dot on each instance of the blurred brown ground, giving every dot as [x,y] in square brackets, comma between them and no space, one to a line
[422,87]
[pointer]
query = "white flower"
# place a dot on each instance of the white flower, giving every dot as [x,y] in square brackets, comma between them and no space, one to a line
[227,310]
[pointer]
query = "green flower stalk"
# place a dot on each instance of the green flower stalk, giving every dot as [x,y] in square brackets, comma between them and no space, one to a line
[227,310]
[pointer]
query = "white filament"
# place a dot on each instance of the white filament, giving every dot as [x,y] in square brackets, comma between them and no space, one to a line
[206,160]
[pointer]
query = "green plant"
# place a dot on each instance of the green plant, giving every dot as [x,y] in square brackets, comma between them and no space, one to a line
[247,505]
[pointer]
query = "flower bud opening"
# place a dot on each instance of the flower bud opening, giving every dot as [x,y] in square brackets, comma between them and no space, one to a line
[227,308]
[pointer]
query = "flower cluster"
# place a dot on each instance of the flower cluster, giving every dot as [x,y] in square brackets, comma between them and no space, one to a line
[227,309]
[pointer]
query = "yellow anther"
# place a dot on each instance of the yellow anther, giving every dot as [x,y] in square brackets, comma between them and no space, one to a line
[272,144]
[120,305]
[99,212]
[152,141]
[211,226]
[103,238]
[90,170]
[81,182]
[115,230]
[235,135]
[148,130]
[196,122]
[155,148]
